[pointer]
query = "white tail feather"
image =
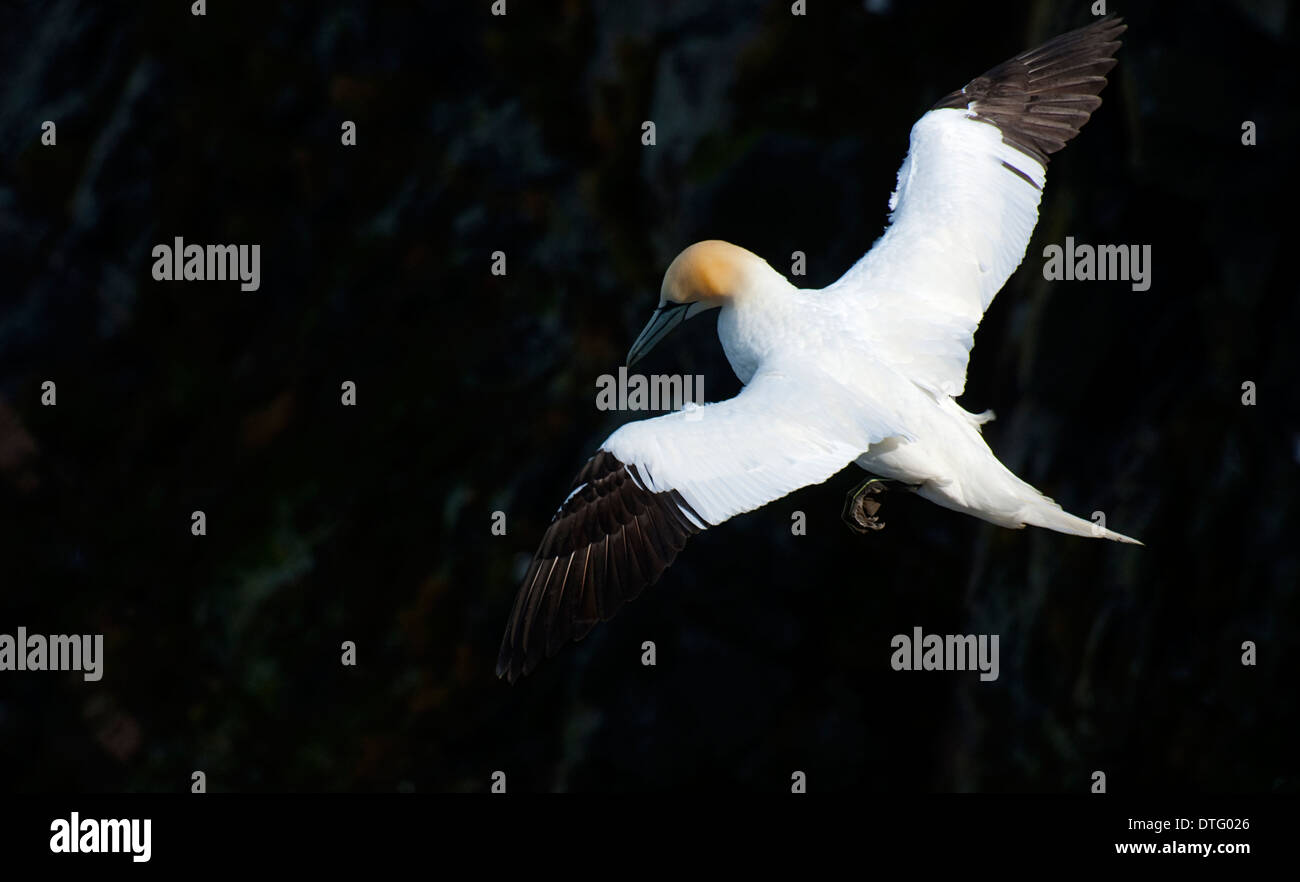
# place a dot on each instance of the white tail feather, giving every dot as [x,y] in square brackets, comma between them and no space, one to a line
[1050,515]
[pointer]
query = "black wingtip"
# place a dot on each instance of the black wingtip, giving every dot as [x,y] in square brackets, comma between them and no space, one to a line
[503,666]
[1040,99]
[610,539]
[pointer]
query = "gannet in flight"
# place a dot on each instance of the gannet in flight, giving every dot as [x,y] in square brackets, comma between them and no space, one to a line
[865,370]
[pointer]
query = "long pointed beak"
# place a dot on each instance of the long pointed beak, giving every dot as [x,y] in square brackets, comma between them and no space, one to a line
[667,317]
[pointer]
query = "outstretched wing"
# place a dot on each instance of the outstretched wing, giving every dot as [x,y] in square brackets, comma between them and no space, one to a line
[967,203]
[656,482]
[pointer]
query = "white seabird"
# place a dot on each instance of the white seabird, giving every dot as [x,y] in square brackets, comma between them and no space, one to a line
[866,370]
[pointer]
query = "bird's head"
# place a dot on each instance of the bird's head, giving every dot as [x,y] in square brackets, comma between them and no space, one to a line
[705,276]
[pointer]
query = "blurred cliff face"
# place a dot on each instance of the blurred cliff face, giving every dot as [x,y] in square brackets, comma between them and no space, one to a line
[476,394]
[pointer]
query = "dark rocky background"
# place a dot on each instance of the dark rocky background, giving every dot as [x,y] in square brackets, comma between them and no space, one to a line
[476,394]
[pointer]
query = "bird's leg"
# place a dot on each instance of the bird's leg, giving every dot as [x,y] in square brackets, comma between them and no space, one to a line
[862,504]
